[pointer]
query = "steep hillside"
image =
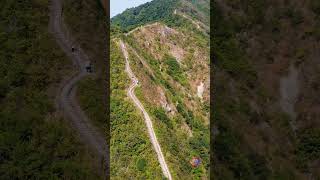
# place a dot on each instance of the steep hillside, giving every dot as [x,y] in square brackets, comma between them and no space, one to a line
[35,140]
[169,55]
[86,23]
[81,16]
[131,153]
[163,10]
[266,83]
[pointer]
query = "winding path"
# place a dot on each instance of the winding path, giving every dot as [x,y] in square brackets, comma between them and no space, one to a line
[147,118]
[66,100]
[289,91]
[202,27]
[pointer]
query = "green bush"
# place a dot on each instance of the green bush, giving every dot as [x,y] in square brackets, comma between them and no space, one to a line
[308,147]
[141,164]
[162,116]
[91,98]
[174,70]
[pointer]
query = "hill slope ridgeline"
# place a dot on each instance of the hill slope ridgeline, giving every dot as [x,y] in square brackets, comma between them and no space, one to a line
[168,51]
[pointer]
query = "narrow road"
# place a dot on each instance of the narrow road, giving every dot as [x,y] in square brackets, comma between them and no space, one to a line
[139,28]
[66,100]
[202,27]
[147,118]
[289,91]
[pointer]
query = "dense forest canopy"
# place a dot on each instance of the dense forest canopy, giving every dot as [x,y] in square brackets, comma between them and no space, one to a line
[161,10]
[254,44]
[149,12]
[35,141]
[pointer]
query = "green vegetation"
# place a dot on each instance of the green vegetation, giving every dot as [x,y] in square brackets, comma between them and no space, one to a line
[183,133]
[162,116]
[294,15]
[186,114]
[91,97]
[229,56]
[80,17]
[141,164]
[195,146]
[254,138]
[231,160]
[159,11]
[130,149]
[169,132]
[174,70]
[35,141]
[308,148]
[146,13]
[239,165]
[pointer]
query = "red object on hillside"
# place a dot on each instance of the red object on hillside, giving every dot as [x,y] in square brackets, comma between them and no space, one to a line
[195,161]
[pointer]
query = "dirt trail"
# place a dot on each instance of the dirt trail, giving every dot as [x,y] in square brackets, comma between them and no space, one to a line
[147,118]
[66,100]
[139,28]
[289,89]
[202,27]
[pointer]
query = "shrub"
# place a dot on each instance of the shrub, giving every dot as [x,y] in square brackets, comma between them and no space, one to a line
[162,116]
[141,164]
[309,144]
[174,70]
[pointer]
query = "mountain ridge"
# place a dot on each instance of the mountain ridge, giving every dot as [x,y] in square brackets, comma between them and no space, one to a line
[160,10]
[170,56]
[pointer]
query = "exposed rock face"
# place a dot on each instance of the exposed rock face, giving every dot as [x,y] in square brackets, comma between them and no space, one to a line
[200,89]
[169,108]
